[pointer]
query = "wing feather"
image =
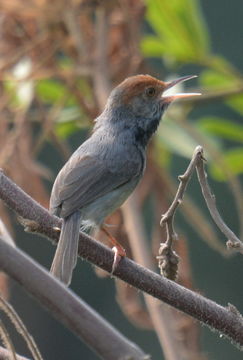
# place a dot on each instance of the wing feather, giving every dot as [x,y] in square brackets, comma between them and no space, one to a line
[83,179]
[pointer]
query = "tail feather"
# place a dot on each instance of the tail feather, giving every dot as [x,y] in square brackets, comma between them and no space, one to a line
[65,258]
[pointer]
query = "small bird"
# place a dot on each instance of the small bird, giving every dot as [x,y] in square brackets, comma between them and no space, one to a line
[106,168]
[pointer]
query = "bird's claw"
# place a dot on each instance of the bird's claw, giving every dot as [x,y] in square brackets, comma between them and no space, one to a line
[119,253]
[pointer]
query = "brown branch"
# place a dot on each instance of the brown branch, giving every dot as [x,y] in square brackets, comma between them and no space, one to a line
[4,335]
[101,76]
[71,21]
[195,217]
[217,156]
[20,327]
[217,317]
[168,218]
[161,316]
[233,241]
[168,259]
[74,313]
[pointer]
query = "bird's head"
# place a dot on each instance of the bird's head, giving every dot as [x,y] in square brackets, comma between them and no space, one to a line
[140,101]
[146,95]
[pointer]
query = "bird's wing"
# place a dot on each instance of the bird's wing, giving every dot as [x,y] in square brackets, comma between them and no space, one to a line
[84,179]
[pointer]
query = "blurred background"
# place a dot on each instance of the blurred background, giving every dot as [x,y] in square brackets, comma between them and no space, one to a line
[58,62]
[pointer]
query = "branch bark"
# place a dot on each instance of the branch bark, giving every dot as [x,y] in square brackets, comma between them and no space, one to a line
[74,313]
[233,241]
[161,316]
[229,323]
[168,218]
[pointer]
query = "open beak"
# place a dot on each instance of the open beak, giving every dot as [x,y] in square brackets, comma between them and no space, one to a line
[169,98]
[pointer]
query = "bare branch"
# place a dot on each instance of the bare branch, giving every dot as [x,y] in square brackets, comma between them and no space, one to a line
[74,313]
[168,218]
[233,241]
[20,327]
[101,69]
[217,317]
[4,335]
[168,259]
[217,156]
[161,315]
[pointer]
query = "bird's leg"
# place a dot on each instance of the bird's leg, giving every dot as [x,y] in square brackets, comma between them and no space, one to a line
[117,248]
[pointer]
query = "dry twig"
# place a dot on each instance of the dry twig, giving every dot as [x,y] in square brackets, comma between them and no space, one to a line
[161,316]
[166,252]
[4,335]
[20,327]
[233,241]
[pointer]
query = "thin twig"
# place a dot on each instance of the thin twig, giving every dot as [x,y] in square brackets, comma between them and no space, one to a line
[217,317]
[101,69]
[161,315]
[166,255]
[195,217]
[71,21]
[233,241]
[217,156]
[168,218]
[20,327]
[4,335]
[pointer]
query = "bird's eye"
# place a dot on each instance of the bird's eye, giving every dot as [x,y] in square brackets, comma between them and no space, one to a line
[150,91]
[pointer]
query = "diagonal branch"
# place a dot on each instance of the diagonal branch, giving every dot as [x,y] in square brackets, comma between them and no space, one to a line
[233,241]
[168,218]
[226,321]
[74,313]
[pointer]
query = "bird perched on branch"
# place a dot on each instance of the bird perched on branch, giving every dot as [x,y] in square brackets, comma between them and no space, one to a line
[107,167]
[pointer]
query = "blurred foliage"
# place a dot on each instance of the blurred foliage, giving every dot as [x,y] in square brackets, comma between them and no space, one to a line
[179,36]
[51,91]
[180,32]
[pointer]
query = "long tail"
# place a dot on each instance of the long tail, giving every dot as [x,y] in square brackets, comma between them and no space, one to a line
[65,258]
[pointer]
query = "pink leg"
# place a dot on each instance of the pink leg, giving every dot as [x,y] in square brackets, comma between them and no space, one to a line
[117,248]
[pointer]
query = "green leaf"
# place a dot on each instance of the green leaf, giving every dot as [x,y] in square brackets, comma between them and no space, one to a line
[176,139]
[236,103]
[179,28]
[216,79]
[68,121]
[152,46]
[52,91]
[233,160]
[226,129]
[219,80]
[65,129]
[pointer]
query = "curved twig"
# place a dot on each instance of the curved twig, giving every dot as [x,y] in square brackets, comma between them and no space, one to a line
[233,241]
[21,328]
[168,218]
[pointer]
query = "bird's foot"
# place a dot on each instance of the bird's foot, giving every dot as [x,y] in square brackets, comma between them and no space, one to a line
[119,253]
